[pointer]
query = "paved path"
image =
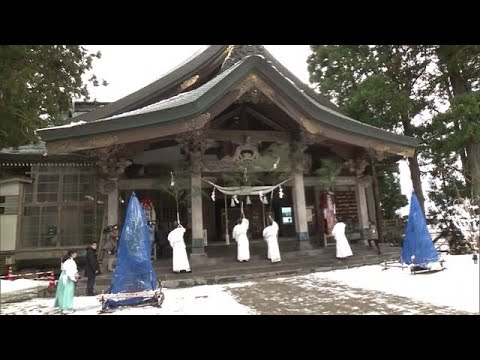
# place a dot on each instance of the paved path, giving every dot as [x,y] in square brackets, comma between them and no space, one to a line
[303,296]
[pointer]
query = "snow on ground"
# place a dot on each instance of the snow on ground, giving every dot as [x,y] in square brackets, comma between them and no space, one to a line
[7,286]
[359,290]
[456,287]
[199,300]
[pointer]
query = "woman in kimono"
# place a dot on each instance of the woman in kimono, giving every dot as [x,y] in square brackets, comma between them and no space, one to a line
[66,283]
[343,247]
[270,235]
[180,258]
[240,235]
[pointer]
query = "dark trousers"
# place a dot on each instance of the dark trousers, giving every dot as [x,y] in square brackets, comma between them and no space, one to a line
[376,241]
[90,285]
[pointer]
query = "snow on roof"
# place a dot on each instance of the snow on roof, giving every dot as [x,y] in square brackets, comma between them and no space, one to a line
[72,124]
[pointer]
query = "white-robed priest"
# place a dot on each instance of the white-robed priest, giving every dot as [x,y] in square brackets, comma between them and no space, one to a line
[240,235]
[270,235]
[180,258]
[343,247]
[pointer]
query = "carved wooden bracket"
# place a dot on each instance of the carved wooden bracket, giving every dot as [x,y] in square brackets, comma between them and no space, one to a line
[297,158]
[113,160]
[307,138]
[192,145]
[254,96]
[357,166]
[376,154]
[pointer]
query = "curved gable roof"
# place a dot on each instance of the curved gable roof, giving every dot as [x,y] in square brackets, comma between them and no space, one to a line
[198,61]
[196,101]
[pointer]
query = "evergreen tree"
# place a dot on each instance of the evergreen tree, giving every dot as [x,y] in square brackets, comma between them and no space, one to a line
[37,85]
[384,86]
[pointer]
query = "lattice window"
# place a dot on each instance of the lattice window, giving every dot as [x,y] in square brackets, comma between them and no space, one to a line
[61,207]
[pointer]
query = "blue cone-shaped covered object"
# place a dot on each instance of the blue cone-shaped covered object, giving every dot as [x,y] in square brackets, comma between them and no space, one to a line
[133,271]
[418,241]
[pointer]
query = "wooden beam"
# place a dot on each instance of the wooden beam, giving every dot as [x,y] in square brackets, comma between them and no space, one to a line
[345,152]
[127,136]
[265,119]
[341,180]
[145,184]
[239,136]
[218,121]
[135,184]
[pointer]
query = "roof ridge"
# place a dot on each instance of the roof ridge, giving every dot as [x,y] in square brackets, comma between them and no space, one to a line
[236,53]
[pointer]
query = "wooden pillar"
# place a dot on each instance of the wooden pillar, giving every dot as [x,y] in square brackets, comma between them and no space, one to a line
[299,206]
[197,209]
[112,214]
[362,208]
[318,215]
[376,194]
[298,191]
[371,203]
[112,162]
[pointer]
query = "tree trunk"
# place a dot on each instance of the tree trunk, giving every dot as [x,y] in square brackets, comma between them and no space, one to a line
[469,155]
[473,150]
[446,54]
[417,180]
[414,168]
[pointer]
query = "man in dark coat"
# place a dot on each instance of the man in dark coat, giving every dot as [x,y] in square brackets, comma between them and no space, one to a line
[165,250]
[92,268]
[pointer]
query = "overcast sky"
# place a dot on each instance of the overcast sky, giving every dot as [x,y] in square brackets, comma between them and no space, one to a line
[128,68]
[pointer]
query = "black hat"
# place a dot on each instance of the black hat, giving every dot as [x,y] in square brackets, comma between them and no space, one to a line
[112,227]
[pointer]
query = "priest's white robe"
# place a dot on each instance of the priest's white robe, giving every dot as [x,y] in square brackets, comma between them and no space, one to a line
[240,235]
[180,258]
[343,247]
[270,235]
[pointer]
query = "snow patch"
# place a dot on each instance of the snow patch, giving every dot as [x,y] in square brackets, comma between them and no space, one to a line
[457,286]
[9,286]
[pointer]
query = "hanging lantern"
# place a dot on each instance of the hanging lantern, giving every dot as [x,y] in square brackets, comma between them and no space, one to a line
[235,198]
[213,194]
[232,202]
[248,201]
[172,179]
[265,200]
[280,192]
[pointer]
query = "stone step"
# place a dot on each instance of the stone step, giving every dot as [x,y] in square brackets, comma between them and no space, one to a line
[165,266]
[248,271]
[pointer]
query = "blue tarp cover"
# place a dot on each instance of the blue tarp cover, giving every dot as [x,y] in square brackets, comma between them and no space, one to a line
[133,271]
[418,241]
